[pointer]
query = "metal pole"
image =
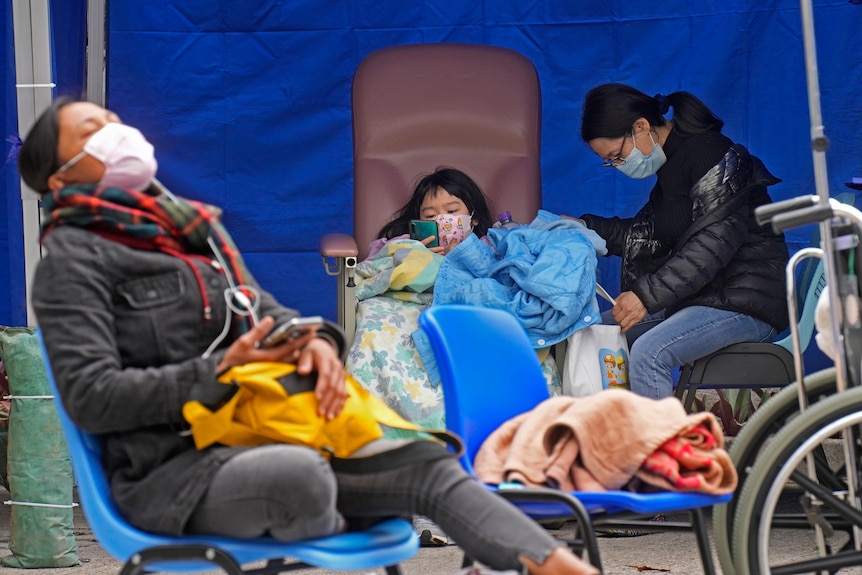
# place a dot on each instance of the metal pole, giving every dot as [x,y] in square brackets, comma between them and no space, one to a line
[96,51]
[34,91]
[819,145]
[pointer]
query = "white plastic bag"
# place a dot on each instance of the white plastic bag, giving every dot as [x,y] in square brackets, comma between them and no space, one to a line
[597,358]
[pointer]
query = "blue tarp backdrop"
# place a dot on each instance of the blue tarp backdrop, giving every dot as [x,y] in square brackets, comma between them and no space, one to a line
[248,103]
[69,45]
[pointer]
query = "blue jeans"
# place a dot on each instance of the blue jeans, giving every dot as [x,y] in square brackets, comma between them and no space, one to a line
[658,345]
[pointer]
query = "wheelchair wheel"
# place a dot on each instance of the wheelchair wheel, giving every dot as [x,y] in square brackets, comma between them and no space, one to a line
[780,504]
[766,422]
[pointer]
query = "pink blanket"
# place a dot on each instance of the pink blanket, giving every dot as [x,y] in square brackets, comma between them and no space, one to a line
[611,440]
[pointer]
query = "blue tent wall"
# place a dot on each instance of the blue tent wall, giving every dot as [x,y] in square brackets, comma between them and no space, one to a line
[12,303]
[248,103]
[69,45]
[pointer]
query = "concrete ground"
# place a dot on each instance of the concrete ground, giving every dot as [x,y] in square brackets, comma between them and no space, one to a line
[670,552]
[666,552]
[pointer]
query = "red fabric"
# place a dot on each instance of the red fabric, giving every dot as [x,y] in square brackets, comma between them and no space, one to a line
[687,462]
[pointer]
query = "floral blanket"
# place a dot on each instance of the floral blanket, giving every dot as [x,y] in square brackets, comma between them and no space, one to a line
[384,359]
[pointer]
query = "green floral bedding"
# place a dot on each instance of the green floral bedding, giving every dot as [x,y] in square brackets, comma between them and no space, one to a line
[383,358]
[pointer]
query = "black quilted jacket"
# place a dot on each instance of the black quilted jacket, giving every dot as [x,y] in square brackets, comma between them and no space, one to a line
[723,260]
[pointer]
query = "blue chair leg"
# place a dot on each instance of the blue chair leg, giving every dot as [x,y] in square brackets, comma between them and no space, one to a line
[181,553]
[276,566]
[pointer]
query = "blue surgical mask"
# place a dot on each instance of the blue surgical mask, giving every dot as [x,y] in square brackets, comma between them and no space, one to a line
[639,166]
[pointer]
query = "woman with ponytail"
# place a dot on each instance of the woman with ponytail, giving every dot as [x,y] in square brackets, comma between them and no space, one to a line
[698,273]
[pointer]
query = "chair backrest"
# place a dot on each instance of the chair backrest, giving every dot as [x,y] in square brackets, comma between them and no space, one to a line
[85,451]
[473,107]
[811,283]
[489,371]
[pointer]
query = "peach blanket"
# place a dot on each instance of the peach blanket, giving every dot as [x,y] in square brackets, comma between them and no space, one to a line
[611,440]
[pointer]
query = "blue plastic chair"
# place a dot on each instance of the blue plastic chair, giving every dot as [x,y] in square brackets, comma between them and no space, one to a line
[383,545]
[490,374]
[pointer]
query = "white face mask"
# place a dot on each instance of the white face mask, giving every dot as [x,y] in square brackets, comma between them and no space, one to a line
[452,229]
[129,158]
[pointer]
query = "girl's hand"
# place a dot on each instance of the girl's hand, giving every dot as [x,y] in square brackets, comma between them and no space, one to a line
[331,388]
[436,249]
[628,311]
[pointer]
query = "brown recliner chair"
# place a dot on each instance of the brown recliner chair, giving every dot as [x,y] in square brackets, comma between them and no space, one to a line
[419,106]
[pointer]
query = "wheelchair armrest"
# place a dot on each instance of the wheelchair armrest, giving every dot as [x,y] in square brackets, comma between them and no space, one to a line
[337,245]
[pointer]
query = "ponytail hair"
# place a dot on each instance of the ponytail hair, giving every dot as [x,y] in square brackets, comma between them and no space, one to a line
[691,116]
[610,110]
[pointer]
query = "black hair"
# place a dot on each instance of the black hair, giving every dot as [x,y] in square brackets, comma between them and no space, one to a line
[37,159]
[610,110]
[454,181]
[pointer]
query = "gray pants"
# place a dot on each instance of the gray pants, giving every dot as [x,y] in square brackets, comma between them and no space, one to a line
[292,493]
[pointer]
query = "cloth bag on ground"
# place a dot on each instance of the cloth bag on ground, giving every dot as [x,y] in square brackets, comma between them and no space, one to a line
[597,358]
[38,465]
[268,402]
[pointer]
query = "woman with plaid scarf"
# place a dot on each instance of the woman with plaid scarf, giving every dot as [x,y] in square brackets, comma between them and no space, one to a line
[142,295]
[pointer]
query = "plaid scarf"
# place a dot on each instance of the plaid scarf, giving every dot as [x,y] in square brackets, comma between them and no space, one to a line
[174,226]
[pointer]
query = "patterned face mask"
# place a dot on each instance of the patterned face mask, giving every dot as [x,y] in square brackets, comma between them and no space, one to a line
[452,229]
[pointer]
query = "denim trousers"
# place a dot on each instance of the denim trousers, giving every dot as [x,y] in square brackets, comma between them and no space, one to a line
[290,493]
[657,344]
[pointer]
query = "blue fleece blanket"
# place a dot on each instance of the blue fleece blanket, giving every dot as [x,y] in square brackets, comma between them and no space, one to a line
[543,273]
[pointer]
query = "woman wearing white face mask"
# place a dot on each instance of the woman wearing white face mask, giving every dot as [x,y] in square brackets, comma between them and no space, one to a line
[101,148]
[133,299]
[697,271]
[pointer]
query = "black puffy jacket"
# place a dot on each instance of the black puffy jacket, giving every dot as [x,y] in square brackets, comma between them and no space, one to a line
[723,260]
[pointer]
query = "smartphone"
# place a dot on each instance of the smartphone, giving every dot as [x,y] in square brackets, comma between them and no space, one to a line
[421,229]
[293,329]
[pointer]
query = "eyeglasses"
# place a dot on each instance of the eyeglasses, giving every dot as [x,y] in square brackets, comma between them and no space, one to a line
[77,158]
[617,160]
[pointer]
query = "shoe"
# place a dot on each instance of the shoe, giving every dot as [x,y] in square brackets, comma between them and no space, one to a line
[430,534]
[628,532]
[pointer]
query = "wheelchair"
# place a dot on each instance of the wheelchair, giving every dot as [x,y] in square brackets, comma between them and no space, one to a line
[798,456]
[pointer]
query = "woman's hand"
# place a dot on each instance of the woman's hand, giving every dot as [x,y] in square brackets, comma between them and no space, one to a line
[308,352]
[628,311]
[579,220]
[331,388]
[244,349]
